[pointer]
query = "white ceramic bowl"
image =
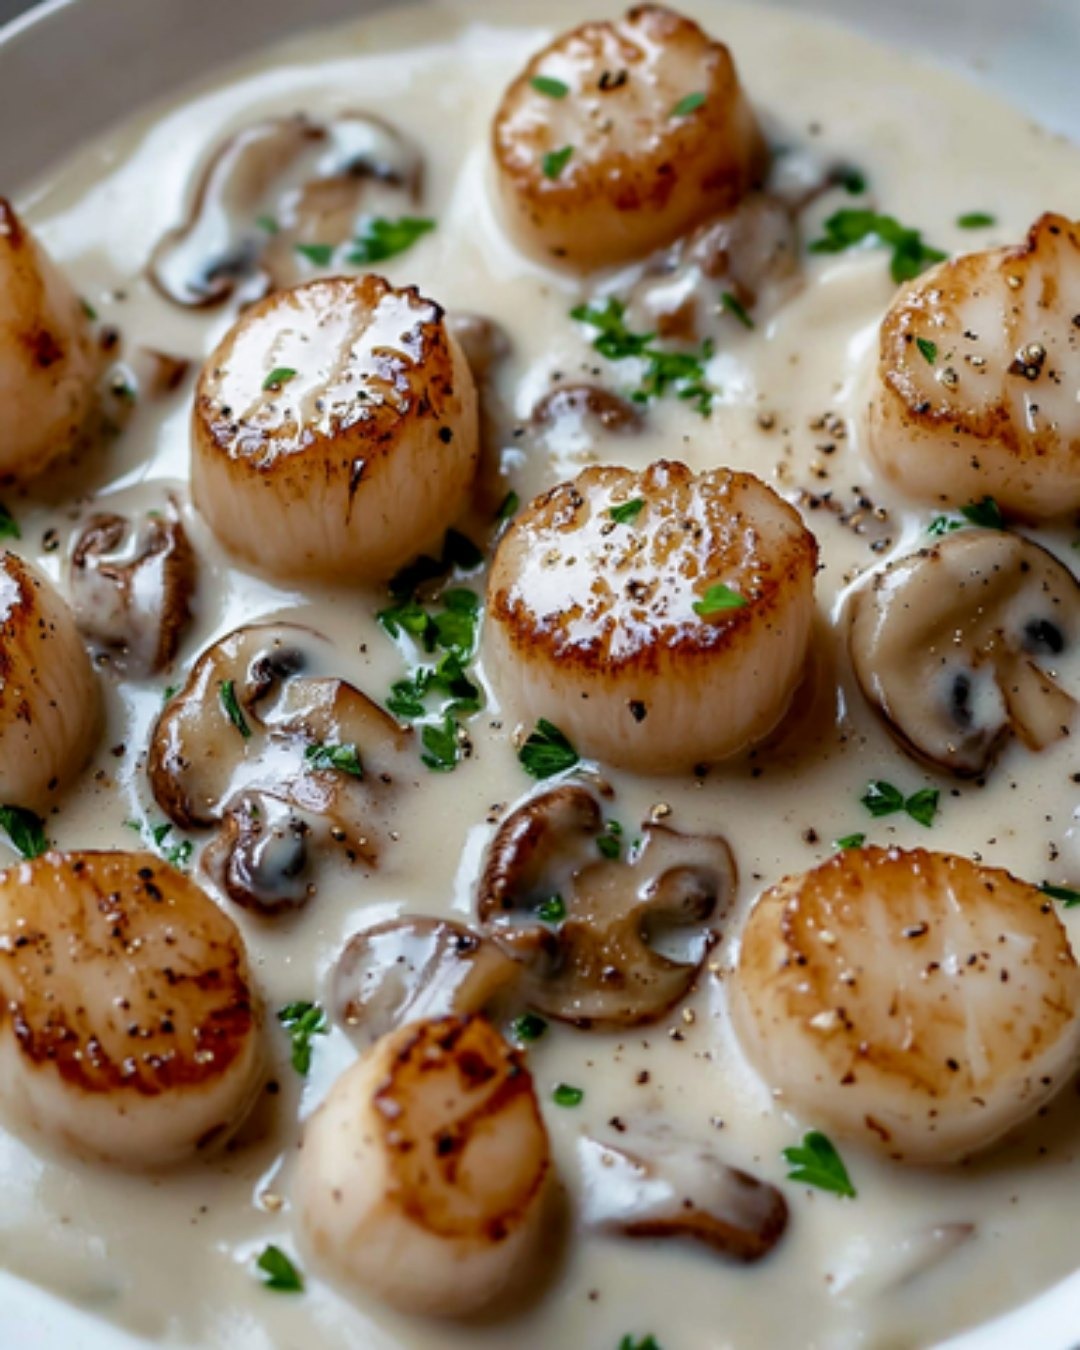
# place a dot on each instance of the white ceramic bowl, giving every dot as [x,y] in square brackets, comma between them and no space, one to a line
[69,69]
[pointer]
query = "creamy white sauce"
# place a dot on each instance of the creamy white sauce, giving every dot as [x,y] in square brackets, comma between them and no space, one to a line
[172,1255]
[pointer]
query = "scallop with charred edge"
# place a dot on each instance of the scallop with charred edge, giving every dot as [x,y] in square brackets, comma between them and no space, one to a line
[335,431]
[977,378]
[132,582]
[950,646]
[652,136]
[48,359]
[128,1025]
[673,637]
[634,933]
[50,703]
[913,1001]
[423,1176]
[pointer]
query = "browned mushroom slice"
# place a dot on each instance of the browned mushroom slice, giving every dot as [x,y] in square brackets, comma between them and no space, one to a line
[270,187]
[961,644]
[413,968]
[605,943]
[131,587]
[574,409]
[261,727]
[659,1186]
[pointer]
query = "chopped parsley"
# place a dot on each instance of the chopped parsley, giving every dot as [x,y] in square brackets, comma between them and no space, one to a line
[884,799]
[610,841]
[815,1162]
[627,512]
[88,309]
[508,506]
[303,1021]
[688,104]
[847,841]
[1066,894]
[442,744]
[565,1095]
[928,349]
[380,238]
[717,599]
[232,709]
[851,179]
[634,1343]
[985,513]
[278,1272]
[319,254]
[666,372]
[976,220]
[735,307]
[551,910]
[267,223]
[528,1027]
[179,855]
[9,526]
[910,254]
[343,758]
[278,376]
[544,84]
[547,752]
[556,160]
[25,829]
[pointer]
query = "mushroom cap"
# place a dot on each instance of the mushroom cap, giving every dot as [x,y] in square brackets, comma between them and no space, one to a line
[359,455]
[950,646]
[591,623]
[635,933]
[640,174]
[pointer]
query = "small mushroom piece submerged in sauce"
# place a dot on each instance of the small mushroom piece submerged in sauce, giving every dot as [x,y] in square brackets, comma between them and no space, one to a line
[416,967]
[131,585]
[273,188]
[605,943]
[658,1186]
[263,738]
[961,645]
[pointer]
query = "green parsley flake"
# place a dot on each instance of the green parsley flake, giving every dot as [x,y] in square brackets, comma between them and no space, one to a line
[627,512]
[442,744]
[910,255]
[847,841]
[717,599]
[1065,894]
[343,758]
[852,180]
[884,799]
[303,1021]
[88,309]
[547,752]
[815,1162]
[555,161]
[278,376]
[976,220]
[508,506]
[644,1343]
[544,84]
[9,526]
[25,830]
[231,707]
[610,841]
[736,308]
[565,1095]
[551,910]
[278,1272]
[267,223]
[688,104]
[928,349]
[319,254]
[527,1028]
[380,238]
[985,513]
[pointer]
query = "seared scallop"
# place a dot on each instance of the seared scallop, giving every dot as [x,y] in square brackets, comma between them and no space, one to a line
[423,1176]
[978,374]
[619,137]
[48,358]
[914,1001]
[50,704]
[335,431]
[128,1029]
[659,619]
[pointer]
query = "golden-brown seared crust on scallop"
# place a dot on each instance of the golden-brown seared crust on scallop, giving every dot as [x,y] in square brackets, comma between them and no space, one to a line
[658,132]
[978,370]
[335,430]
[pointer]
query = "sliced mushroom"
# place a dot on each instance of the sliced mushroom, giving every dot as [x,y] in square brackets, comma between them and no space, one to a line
[270,187]
[961,644]
[413,968]
[131,586]
[633,934]
[285,756]
[660,1186]
[568,407]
